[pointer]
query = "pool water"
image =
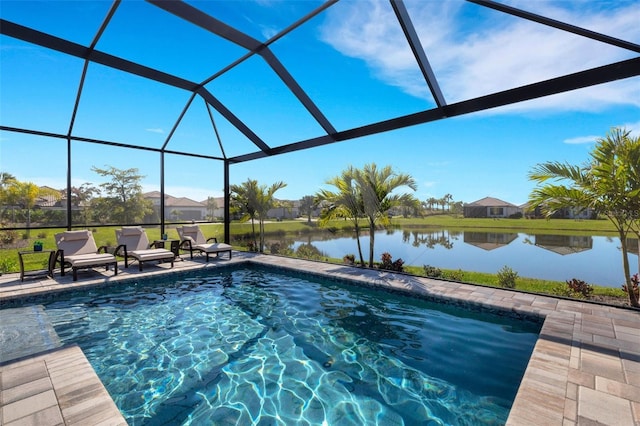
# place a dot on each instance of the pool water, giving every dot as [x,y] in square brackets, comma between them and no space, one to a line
[250,346]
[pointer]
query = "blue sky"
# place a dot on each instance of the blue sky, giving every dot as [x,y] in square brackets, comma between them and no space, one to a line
[352,61]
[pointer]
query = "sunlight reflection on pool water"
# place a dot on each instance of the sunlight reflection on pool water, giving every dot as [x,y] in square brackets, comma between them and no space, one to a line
[249,346]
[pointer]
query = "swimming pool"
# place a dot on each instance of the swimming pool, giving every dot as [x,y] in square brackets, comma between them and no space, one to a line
[250,346]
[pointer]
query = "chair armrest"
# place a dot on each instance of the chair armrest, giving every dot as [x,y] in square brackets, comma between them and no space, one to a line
[185,245]
[102,249]
[59,257]
[214,239]
[121,251]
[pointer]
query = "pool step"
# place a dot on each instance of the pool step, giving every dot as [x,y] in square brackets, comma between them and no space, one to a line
[25,331]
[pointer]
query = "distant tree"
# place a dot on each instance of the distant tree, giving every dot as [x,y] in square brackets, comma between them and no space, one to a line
[5,179]
[175,214]
[431,202]
[457,207]
[81,199]
[25,196]
[307,205]
[212,205]
[609,183]
[448,198]
[124,195]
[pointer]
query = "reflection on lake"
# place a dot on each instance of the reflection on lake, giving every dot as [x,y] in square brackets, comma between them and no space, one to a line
[596,260]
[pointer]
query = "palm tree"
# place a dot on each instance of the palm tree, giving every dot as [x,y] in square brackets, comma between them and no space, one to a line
[307,205]
[255,201]
[432,201]
[448,198]
[376,188]
[610,184]
[265,202]
[343,203]
[244,197]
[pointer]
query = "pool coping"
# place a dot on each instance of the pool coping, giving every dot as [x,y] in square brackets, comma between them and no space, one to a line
[584,369]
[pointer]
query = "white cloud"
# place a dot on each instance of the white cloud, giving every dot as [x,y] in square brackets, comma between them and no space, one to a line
[155,130]
[429,184]
[581,139]
[633,127]
[476,56]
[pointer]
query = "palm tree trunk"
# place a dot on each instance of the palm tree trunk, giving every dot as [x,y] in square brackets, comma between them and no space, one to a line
[261,235]
[253,230]
[633,299]
[372,233]
[359,245]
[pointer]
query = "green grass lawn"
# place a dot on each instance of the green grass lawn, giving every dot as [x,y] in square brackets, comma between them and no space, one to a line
[106,236]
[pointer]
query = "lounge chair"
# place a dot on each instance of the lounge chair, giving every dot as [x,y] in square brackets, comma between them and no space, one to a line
[77,250]
[192,239]
[134,243]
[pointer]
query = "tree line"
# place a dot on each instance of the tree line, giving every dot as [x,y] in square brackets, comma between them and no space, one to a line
[119,200]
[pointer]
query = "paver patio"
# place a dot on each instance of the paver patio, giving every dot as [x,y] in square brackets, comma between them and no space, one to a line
[584,369]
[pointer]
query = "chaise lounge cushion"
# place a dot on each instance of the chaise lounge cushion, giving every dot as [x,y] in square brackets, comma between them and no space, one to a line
[135,243]
[78,249]
[86,260]
[192,238]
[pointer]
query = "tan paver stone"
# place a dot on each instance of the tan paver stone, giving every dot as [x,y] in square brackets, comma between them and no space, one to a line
[635,409]
[49,416]
[26,390]
[571,410]
[27,406]
[582,378]
[24,373]
[604,408]
[100,408]
[622,390]
[610,342]
[602,365]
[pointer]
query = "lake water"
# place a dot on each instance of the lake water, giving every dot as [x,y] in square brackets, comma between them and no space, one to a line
[596,260]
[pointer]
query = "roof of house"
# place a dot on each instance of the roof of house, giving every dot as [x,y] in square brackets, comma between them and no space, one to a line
[171,201]
[490,202]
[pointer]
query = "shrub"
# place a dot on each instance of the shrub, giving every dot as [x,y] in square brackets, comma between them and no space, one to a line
[8,265]
[560,290]
[579,288]
[635,285]
[42,234]
[309,251]
[275,248]
[349,259]
[432,271]
[8,237]
[507,277]
[389,265]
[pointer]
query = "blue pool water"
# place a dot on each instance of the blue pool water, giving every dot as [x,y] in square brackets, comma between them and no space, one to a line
[250,346]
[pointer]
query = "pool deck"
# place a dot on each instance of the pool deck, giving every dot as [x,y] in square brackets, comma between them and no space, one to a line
[584,369]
